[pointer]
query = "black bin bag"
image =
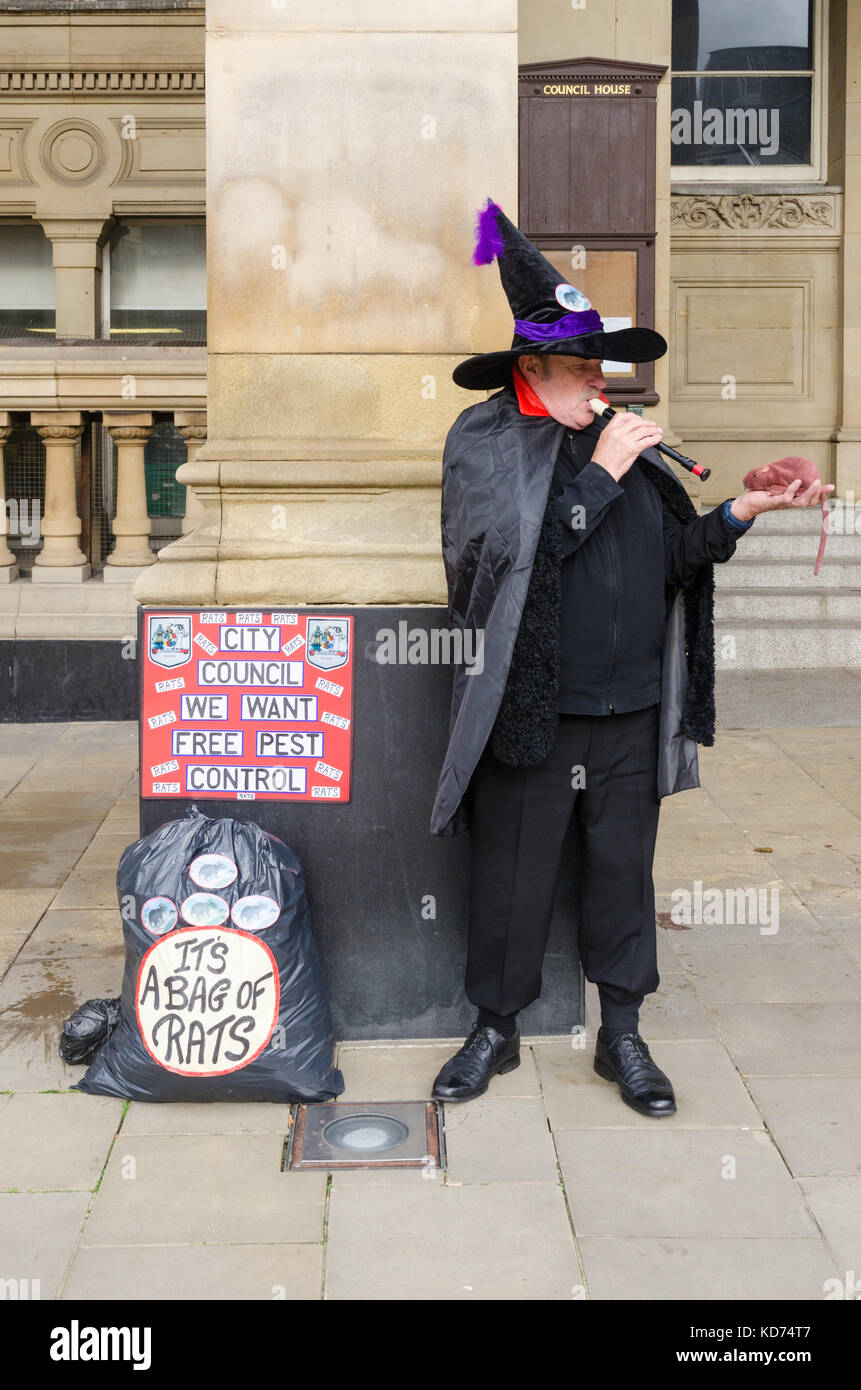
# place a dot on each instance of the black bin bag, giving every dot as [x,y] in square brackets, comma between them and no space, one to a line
[223,997]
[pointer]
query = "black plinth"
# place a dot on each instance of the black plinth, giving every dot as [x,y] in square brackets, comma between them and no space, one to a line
[374,871]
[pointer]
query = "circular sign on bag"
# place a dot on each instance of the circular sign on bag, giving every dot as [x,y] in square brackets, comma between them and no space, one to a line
[212,870]
[207,1001]
[159,915]
[205,910]
[255,913]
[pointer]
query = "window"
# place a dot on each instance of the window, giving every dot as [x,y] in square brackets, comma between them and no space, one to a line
[745,93]
[157,281]
[26,283]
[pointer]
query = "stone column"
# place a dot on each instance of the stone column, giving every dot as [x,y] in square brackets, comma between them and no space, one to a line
[8,563]
[77,245]
[191,424]
[61,559]
[348,150]
[131,525]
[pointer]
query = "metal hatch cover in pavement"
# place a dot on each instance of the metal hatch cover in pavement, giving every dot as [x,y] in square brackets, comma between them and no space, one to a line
[337,1135]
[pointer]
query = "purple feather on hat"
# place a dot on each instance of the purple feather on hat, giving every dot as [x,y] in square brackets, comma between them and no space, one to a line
[489,242]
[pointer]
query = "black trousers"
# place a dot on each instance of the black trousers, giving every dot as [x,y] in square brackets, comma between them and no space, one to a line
[520,817]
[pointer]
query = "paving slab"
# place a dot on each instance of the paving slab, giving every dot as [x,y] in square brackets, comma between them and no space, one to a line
[407,1071]
[35,999]
[38,1235]
[792,1039]
[41,853]
[497,1140]
[31,740]
[710,1270]
[836,1206]
[795,925]
[814,1120]
[675,1010]
[20,910]
[672,1183]
[190,1189]
[475,1242]
[846,932]
[74,932]
[56,1143]
[29,801]
[93,881]
[710,1094]
[211,1117]
[771,971]
[175,1273]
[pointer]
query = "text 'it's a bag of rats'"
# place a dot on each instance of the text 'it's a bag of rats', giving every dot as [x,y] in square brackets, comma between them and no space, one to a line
[223,997]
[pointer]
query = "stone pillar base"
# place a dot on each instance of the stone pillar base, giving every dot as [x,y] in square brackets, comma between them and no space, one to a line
[8,574]
[60,574]
[307,522]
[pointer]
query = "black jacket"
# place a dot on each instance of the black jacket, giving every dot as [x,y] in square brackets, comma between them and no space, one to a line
[624,557]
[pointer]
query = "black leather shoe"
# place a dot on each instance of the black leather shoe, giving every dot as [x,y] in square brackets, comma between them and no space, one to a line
[643,1085]
[469,1072]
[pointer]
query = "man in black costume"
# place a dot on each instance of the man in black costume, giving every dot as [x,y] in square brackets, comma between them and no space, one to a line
[576,556]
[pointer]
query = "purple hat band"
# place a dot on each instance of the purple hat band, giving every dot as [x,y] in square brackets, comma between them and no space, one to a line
[570,326]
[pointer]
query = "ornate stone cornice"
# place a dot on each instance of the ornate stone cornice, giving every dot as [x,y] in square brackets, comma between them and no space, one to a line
[100,82]
[752,212]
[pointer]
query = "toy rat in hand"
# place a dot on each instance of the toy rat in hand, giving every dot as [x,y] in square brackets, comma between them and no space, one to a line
[776,478]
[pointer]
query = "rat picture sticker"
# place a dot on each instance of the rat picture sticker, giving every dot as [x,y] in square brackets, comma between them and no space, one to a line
[255,912]
[205,910]
[159,915]
[169,640]
[327,643]
[212,870]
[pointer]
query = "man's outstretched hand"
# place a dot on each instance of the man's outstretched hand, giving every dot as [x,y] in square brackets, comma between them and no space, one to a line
[623,440]
[749,504]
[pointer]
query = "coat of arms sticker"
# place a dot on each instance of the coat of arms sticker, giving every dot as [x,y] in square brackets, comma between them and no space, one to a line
[169,640]
[327,642]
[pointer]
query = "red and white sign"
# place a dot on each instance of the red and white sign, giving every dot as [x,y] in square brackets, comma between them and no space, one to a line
[251,717]
[207,1001]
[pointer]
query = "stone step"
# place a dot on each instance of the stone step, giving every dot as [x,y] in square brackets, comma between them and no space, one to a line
[772,604]
[748,644]
[796,545]
[776,572]
[780,523]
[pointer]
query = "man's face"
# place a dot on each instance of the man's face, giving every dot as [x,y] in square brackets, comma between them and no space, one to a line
[567,387]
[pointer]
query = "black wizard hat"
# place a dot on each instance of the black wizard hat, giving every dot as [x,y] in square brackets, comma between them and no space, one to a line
[549,314]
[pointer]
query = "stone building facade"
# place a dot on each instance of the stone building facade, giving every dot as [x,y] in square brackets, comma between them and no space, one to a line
[275,434]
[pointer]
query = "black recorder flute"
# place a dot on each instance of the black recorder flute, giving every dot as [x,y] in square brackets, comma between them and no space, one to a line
[602,408]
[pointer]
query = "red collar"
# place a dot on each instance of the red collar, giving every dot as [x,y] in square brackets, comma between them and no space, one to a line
[529,403]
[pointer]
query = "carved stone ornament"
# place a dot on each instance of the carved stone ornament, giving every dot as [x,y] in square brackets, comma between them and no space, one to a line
[745,212]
